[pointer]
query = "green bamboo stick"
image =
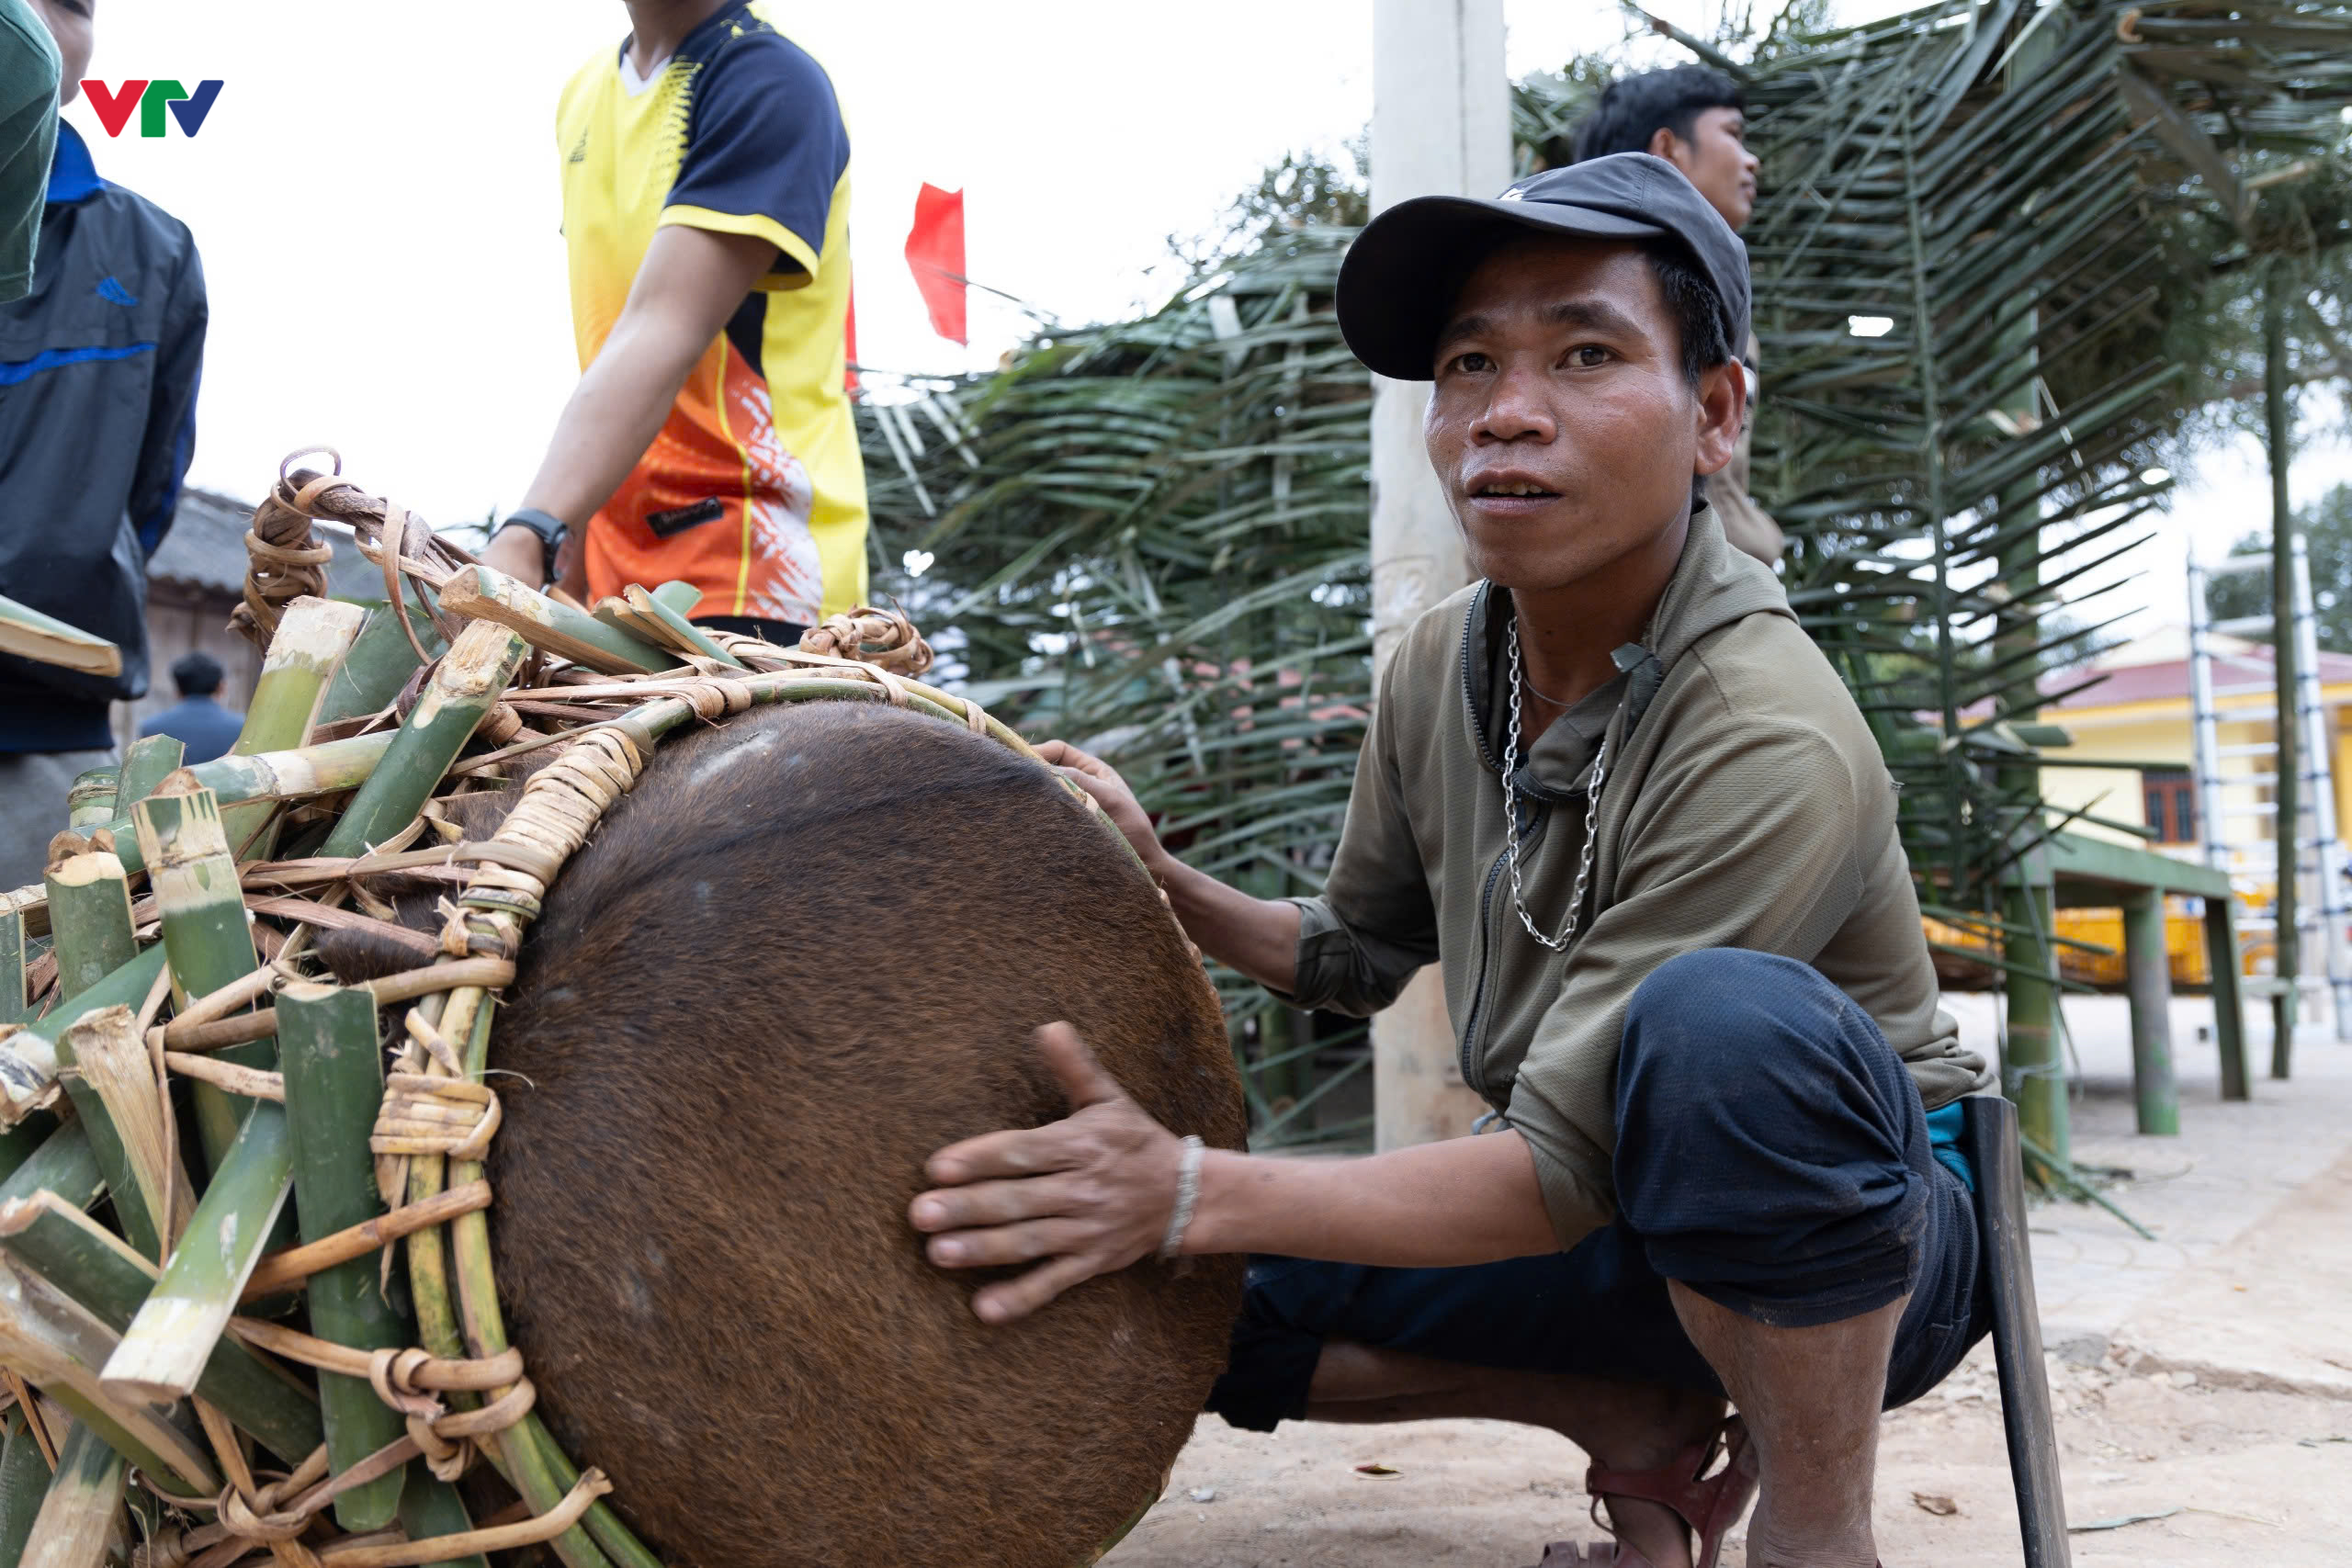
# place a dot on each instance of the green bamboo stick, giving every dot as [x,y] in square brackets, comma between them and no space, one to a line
[24,1481]
[150,760]
[378,665]
[651,606]
[430,1508]
[678,598]
[205,930]
[14,1002]
[329,1052]
[108,1280]
[29,1056]
[24,1140]
[308,647]
[296,774]
[121,1114]
[29,634]
[90,919]
[462,689]
[163,1353]
[63,1164]
[483,595]
[90,802]
[82,1506]
[58,1347]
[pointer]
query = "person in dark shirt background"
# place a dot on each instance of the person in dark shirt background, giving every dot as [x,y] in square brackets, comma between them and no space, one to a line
[198,721]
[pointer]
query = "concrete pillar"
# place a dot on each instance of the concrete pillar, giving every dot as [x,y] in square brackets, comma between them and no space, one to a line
[2147,970]
[1440,125]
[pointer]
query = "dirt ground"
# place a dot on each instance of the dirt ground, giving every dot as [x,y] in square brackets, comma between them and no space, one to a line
[2241,1476]
[2202,1376]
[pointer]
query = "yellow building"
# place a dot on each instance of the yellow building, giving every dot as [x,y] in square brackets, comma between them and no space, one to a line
[2137,713]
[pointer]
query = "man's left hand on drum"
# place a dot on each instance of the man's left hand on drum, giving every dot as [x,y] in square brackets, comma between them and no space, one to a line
[1088,1194]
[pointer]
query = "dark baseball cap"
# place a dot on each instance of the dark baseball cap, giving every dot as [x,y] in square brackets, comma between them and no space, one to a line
[1400,277]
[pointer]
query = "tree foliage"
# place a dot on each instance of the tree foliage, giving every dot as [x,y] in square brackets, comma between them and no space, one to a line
[2327,534]
[1975,223]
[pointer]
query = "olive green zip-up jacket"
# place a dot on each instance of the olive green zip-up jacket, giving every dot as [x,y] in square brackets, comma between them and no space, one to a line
[1744,804]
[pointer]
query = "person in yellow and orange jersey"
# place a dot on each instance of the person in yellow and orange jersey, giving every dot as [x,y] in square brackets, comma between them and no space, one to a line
[706,211]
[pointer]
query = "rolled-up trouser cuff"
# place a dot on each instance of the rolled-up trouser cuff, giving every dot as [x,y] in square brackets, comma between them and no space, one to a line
[1807,1302]
[1289,1311]
[1770,1142]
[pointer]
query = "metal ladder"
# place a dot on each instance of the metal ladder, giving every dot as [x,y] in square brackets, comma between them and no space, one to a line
[2322,901]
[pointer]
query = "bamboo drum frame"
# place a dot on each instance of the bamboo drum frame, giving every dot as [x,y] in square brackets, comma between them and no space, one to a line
[138,1335]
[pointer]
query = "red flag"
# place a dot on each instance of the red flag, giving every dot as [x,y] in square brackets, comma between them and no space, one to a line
[849,343]
[935,256]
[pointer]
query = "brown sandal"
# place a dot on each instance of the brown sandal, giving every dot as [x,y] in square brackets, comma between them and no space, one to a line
[1709,1504]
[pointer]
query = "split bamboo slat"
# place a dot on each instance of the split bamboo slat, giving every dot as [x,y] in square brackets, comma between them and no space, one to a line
[29,634]
[12,966]
[28,1056]
[82,1507]
[66,1247]
[147,763]
[24,1481]
[377,665]
[550,625]
[63,1167]
[379,1399]
[57,1345]
[109,1075]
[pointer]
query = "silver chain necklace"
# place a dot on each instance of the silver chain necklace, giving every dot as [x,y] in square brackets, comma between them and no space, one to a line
[1510,816]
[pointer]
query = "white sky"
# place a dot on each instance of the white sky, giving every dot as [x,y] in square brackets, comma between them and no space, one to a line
[375,196]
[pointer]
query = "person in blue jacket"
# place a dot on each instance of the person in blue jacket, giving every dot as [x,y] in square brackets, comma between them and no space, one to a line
[198,721]
[98,368]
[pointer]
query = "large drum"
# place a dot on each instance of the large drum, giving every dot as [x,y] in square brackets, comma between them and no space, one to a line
[806,950]
[688,951]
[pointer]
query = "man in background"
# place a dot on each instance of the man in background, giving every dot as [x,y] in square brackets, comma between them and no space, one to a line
[198,721]
[98,369]
[705,210]
[1695,120]
[28,67]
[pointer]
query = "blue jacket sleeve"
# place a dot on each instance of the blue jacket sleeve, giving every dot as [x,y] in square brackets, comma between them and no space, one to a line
[765,152]
[170,439]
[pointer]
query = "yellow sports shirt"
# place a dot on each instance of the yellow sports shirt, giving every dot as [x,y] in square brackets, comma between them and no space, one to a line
[753,490]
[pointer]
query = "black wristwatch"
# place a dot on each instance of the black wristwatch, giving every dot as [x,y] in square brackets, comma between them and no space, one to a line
[549,528]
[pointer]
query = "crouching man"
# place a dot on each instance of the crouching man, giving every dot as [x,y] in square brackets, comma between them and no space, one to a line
[1616,793]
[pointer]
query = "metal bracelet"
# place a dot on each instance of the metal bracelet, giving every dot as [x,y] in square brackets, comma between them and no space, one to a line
[1188,1194]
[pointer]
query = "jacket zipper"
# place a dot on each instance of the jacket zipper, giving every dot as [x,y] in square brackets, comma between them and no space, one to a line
[1479,996]
[1486,941]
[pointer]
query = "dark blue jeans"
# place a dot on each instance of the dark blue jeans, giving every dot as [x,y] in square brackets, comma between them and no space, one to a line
[1772,1155]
